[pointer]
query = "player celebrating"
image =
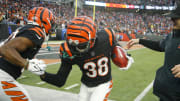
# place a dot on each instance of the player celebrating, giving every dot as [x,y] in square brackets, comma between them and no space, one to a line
[18,50]
[92,52]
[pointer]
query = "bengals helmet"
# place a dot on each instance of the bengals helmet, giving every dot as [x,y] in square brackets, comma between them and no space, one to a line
[42,17]
[81,34]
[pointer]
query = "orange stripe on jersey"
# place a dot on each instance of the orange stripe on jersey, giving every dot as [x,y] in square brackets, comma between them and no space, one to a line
[40,31]
[19,98]
[110,36]
[61,49]
[37,31]
[15,93]
[67,49]
[7,85]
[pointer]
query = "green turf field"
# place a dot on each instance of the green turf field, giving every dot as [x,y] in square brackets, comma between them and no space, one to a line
[127,84]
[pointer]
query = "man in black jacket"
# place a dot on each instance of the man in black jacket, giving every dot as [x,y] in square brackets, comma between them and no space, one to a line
[167,85]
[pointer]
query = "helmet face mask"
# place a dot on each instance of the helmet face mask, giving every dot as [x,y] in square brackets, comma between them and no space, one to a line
[83,47]
[79,47]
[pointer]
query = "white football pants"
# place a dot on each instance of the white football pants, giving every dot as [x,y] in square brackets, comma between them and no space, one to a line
[98,93]
[10,89]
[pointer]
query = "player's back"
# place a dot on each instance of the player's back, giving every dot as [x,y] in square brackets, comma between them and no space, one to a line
[33,33]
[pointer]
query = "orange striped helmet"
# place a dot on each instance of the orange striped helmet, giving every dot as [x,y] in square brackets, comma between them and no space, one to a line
[81,33]
[42,17]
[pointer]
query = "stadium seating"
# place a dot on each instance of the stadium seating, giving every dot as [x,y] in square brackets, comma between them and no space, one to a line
[119,21]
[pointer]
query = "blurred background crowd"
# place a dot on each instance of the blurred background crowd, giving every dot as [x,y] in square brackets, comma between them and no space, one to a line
[16,11]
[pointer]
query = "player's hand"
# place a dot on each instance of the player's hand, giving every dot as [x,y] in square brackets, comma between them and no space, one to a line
[132,42]
[176,71]
[36,66]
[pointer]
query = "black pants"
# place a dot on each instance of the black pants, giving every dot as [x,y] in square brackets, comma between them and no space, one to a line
[165,91]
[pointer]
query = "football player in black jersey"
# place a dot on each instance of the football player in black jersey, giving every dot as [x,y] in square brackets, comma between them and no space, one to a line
[18,50]
[92,52]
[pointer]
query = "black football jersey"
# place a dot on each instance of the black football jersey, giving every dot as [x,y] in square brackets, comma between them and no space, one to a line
[95,64]
[33,33]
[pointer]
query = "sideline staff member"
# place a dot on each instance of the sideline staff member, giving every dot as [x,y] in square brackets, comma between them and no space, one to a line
[166,85]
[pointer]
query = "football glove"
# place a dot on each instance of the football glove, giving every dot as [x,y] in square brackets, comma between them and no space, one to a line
[36,66]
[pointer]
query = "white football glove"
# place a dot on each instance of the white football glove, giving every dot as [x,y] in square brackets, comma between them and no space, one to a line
[36,66]
[130,62]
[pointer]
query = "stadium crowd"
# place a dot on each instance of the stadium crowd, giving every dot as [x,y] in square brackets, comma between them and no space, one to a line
[15,12]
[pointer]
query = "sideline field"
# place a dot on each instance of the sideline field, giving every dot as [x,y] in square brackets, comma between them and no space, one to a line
[127,84]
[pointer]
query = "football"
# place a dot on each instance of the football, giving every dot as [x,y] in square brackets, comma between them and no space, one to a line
[119,57]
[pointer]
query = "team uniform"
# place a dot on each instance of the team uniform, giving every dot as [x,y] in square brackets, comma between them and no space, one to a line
[10,89]
[166,86]
[94,64]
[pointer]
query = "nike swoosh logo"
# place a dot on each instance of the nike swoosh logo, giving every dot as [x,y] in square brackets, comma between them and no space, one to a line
[38,37]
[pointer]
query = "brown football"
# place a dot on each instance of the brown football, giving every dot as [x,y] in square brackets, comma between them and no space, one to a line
[119,57]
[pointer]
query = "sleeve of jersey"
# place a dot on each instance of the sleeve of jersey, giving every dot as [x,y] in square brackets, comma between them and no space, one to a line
[32,35]
[61,51]
[60,78]
[154,45]
[112,37]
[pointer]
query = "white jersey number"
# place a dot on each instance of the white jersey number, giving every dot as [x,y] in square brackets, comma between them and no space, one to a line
[102,65]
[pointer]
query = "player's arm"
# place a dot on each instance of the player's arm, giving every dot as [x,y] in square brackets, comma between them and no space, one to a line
[12,49]
[154,45]
[60,78]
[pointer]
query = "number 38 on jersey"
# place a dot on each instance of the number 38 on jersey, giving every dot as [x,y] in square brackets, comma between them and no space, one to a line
[99,69]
